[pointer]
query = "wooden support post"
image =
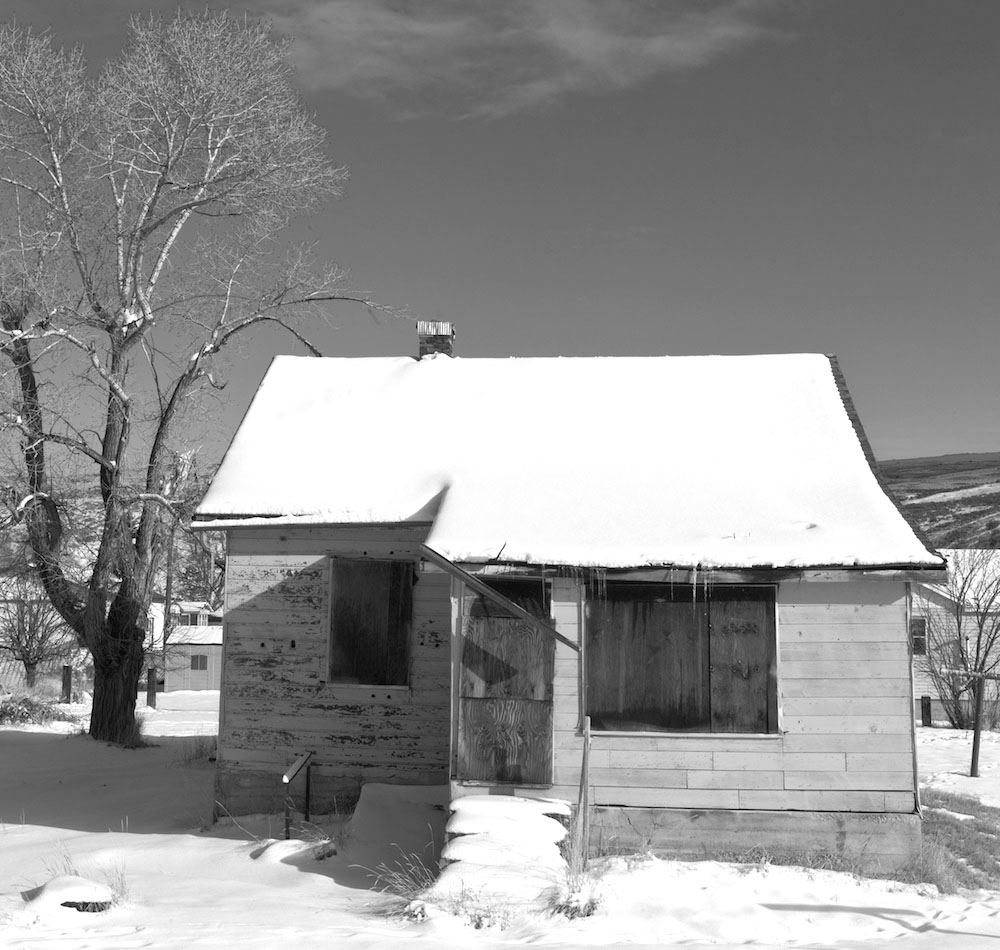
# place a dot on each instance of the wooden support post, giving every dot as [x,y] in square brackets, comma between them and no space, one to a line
[581,846]
[308,784]
[925,710]
[67,684]
[151,687]
[977,727]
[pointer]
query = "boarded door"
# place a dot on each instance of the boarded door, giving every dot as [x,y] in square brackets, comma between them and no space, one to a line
[505,693]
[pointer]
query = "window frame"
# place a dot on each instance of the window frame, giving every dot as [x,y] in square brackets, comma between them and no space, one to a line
[199,662]
[772,710]
[394,691]
[915,637]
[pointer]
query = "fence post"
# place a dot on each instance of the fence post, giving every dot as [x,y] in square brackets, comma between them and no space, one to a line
[151,687]
[67,684]
[977,726]
[925,710]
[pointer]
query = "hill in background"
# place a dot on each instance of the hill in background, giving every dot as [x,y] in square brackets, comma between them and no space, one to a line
[954,498]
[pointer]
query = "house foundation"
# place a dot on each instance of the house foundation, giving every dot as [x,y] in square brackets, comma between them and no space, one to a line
[871,842]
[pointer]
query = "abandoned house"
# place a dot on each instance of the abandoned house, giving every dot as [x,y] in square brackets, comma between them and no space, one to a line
[468,571]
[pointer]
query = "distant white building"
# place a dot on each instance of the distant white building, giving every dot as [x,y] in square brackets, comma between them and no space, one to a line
[194,646]
[937,640]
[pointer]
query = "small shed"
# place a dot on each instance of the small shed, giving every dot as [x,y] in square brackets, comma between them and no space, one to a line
[194,657]
[470,571]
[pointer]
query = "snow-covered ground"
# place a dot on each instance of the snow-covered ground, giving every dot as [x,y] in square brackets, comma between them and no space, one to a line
[137,822]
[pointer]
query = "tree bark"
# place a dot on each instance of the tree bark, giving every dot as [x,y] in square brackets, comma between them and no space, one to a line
[30,674]
[112,717]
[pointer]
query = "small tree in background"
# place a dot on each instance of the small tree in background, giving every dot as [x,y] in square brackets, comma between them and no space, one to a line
[963,639]
[31,630]
[142,215]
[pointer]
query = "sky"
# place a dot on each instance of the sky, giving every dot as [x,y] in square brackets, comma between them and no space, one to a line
[630,177]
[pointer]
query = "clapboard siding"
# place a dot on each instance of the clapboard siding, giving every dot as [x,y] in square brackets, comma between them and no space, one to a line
[846,732]
[277,703]
[845,740]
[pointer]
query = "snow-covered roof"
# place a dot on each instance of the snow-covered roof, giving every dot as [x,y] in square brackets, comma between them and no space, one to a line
[714,461]
[202,634]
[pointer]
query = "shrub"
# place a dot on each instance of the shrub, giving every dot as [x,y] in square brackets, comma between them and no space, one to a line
[26,710]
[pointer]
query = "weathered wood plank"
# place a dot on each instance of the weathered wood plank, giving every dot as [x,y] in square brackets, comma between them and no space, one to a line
[831,632]
[850,652]
[815,761]
[877,762]
[857,706]
[836,669]
[637,742]
[718,778]
[804,800]
[885,781]
[762,760]
[845,689]
[900,802]
[276,615]
[666,797]
[624,778]
[387,720]
[854,597]
[237,563]
[360,749]
[855,742]
[355,539]
[849,725]
[621,759]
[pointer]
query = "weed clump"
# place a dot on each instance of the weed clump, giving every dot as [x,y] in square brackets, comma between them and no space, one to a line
[26,710]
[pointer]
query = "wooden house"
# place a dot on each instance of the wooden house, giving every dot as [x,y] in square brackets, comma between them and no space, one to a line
[193,658]
[440,570]
[952,623]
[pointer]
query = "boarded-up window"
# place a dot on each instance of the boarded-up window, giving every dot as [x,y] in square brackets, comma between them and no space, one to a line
[199,661]
[676,658]
[505,691]
[918,636]
[370,618]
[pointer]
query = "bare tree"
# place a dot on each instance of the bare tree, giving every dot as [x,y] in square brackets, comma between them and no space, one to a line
[963,636]
[31,630]
[143,216]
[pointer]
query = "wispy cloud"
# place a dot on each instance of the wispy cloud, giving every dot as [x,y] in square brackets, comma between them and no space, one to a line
[497,57]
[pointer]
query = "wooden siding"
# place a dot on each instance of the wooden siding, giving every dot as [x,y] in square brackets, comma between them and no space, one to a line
[277,703]
[179,674]
[930,606]
[846,727]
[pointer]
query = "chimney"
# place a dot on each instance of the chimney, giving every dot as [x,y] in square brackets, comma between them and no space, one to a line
[435,337]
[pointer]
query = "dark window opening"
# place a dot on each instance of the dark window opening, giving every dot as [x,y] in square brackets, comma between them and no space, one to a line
[675,658]
[370,618]
[199,661]
[918,636]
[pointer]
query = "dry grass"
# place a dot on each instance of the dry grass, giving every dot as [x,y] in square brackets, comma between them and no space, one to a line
[957,853]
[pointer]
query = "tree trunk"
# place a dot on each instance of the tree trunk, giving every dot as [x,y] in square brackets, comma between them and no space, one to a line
[30,674]
[116,680]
